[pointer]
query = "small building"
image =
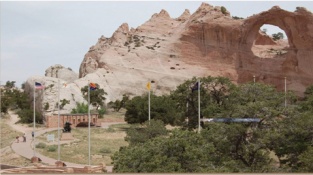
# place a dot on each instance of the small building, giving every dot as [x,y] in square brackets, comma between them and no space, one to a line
[74,119]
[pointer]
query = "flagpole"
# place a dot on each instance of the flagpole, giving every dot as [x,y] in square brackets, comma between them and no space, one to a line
[253,79]
[285,92]
[148,86]
[88,124]
[34,146]
[199,104]
[59,120]
[149,106]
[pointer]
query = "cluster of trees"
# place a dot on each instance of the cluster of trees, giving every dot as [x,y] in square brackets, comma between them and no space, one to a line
[13,98]
[281,142]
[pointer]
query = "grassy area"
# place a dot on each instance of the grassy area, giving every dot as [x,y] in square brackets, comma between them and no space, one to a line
[8,134]
[104,143]
[114,116]
[9,157]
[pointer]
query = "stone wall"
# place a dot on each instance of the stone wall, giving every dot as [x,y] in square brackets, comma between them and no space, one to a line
[74,119]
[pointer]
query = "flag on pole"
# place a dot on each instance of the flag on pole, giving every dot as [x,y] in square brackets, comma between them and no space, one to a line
[38,86]
[148,86]
[92,86]
[195,87]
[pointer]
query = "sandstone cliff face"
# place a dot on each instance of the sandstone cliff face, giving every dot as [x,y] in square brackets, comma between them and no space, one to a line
[207,42]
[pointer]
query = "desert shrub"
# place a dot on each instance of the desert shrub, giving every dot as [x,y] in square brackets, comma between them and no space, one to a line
[105,150]
[223,10]
[110,129]
[41,145]
[236,17]
[52,148]
[46,106]
[101,112]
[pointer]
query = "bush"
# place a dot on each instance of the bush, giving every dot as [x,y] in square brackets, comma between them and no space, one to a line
[41,145]
[81,108]
[224,10]
[101,112]
[52,148]
[105,150]
[236,17]
[46,106]
[85,124]
[110,129]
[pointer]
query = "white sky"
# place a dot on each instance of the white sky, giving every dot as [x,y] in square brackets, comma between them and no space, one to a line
[36,35]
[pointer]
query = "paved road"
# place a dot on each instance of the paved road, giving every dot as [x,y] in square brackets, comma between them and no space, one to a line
[25,149]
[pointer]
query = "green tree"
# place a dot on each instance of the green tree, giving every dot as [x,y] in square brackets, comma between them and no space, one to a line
[150,130]
[27,116]
[291,139]
[101,112]
[63,103]
[226,147]
[119,104]
[14,99]
[96,96]
[5,103]
[81,108]
[278,36]
[161,108]
[9,84]
[307,103]
[182,152]
[306,159]
[214,92]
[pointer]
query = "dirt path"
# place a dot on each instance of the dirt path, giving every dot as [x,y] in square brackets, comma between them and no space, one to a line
[19,127]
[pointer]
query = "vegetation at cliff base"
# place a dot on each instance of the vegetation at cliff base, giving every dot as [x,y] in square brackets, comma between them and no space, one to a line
[282,141]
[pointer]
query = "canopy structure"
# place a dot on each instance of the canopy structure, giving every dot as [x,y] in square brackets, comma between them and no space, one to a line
[228,120]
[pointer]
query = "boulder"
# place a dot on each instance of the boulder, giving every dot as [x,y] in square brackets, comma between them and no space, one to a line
[58,71]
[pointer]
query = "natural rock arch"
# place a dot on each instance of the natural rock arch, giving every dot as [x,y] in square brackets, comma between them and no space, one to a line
[294,24]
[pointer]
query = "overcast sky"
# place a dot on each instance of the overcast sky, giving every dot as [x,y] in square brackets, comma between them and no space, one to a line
[36,35]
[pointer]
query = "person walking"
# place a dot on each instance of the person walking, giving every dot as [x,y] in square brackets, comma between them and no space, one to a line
[17,139]
[24,138]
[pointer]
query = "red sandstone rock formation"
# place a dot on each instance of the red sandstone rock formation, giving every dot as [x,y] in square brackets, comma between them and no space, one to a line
[207,42]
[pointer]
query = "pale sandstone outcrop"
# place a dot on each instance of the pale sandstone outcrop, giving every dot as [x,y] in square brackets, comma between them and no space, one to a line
[58,71]
[49,95]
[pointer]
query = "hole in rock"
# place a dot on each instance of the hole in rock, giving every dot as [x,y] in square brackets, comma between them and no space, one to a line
[270,42]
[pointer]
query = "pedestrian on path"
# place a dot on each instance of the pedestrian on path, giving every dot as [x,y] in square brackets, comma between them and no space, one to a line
[24,138]
[17,139]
